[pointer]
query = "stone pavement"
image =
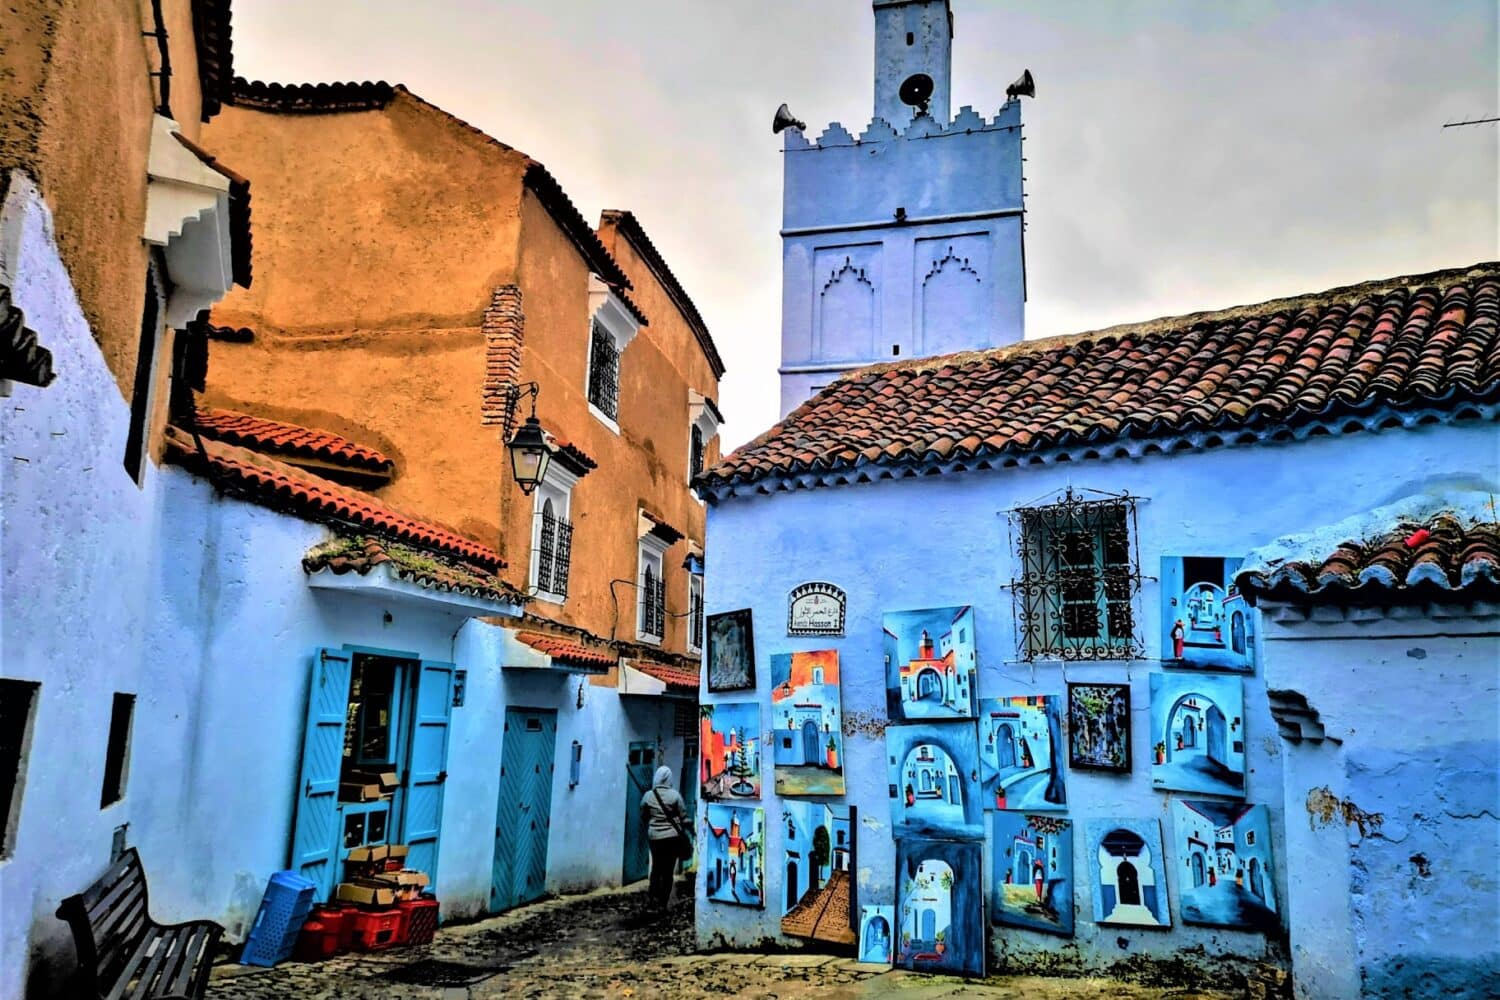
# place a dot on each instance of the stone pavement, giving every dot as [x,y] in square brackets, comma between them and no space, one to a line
[596,946]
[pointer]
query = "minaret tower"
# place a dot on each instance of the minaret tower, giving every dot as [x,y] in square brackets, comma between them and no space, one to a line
[905,241]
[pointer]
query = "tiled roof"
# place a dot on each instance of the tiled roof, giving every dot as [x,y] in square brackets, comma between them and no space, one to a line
[22,358]
[241,243]
[566,651]
[279,438]
[660,528]
[362,553]
[215,49]
[311,98]
[574,457]
[668,674]
[270,483]
[1381,354]
[229,334]
[550,193]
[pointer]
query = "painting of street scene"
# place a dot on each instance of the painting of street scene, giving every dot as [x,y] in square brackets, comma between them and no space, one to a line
[1099,726]
[820,857]
[807,738]
[1205,621]
[1224,850]
[876,934]
[930,664]
[1033,873]
[732,854]
[1128,873]
[729,750]
[939,909]
[934,780]
[1020,752]
[731,651]
[1198,733]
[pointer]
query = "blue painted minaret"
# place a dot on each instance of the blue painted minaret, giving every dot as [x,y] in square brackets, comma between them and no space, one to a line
[905,241]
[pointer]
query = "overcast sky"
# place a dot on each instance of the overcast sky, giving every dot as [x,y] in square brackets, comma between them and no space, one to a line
[1181,154]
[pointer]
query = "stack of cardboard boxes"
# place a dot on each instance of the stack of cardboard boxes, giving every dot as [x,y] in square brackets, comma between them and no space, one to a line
[378,876]
[380,904]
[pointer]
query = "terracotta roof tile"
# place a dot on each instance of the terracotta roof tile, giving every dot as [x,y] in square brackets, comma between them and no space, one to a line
[22,358]
[567,651]
[310,98]
[361,553]
[277,437]
[213,37]
[1403,345]
[668,674]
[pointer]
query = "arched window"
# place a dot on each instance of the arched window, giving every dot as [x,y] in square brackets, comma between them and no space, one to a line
[547,545]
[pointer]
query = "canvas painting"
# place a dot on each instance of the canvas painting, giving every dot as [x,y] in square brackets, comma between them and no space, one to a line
[877,934]
[1021,753]
[1033,873]
[731,651]
[1205,622]
[820,862]
[731,852]
[1128,873]
[934,780]
[729,751]
[939,904]
[930,664]
[1198,733]
[807,738]
[1099,726]
[1224,857]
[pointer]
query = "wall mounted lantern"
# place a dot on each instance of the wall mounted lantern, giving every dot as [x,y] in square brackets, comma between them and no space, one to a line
[529,452]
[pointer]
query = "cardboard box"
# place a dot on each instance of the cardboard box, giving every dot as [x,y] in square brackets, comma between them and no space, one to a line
[395,858]
[388,781]
[407,883]
[366,861]
[355,791]
[365,892]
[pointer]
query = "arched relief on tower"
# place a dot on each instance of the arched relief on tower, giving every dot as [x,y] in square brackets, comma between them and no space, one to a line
[847,307]
[952,294]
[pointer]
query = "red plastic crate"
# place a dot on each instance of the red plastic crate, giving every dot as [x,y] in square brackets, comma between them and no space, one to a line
[376,930]
[317,940]
[346,927]
[421,919]
[335,920]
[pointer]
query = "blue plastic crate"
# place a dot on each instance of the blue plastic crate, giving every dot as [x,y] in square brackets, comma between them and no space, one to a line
[283,909]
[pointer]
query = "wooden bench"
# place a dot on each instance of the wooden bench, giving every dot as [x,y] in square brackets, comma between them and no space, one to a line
[125,955]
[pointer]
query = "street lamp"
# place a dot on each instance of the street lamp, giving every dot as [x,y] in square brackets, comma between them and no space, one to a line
[529,451]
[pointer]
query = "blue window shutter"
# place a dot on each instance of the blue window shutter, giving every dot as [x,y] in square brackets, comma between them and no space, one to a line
[429,766]
[315,841]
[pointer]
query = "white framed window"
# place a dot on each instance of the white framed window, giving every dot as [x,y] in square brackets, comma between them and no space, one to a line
[552,534]
[695,613]
[651,591]
[612,326]
[703,426]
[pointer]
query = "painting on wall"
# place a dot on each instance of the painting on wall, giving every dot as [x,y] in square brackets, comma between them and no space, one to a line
[1099,726]
[1020,753]
[1198,733]
[1128,873]
[877,934]
[820,858]
[807,739]
[930,664]
[731,852]
[731,651]
[934,780]
[1033,873]
[729,750]
[939,909]
[1224,853]
[1205,622]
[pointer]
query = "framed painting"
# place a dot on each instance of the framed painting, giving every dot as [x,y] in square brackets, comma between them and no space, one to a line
[930,664]
[940,906]
[934,780]
[729,751]
[1223,851]
[1205,623]
[820,859]
[877,932]
[732,854]
[807,737]
[1033,873]
[1021,751]
[1128,873]
[731,651]
[1198,733]
[1099,726]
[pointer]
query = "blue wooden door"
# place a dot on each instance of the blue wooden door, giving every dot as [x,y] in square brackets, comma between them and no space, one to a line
[640,768]
[316,834]
[523,815]
[427,766]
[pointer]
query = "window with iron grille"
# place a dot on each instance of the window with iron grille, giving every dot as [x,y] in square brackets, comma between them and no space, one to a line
[1074,597]
[695,452]
[551,541]
[604,372]
[652,602]
[695,612]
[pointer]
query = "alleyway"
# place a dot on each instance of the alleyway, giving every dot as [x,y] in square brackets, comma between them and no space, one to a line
[591,946]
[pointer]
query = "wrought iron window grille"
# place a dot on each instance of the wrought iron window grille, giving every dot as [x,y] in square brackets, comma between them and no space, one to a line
[1077,590]
[695,618]
[653,605]
[554,553]
[604,372]
[695,450]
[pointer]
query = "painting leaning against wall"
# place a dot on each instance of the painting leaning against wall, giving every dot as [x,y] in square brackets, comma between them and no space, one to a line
[1128,873]
[731,852]
[820,861]
[877,934]
[807,739]
[1198,733]
[729,750]
[1205,622]
[1227,878]
[1032,883]
[931,664]
[940,909]
[1021,753]
[1099,726]
[731,651]
[934,780]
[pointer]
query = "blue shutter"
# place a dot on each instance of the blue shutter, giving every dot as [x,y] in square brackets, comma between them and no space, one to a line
[315,840]
[429,763]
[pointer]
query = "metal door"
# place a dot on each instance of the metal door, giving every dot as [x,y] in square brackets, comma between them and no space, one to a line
[315,836]
[523,816]
[640,768]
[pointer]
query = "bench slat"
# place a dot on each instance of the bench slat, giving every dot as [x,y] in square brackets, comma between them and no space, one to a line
[187,963]
[120,913]
[112,875]
[199,985]
[115,938]
[153,982]
[128,971]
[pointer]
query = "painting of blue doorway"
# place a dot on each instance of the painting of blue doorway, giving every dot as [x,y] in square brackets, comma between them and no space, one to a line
[1021,753]
[930,664]
[1128,873]
[807,737]
[820,857]
[934,780]
[940,906]
[732,854]
[1205,621]
[1033,873]
[877,934]
[1224,857]
[1198,733]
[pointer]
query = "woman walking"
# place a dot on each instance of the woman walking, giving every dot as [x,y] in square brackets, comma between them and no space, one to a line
[666,821]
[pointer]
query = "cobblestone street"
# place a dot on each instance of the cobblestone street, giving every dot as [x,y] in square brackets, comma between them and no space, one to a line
[595,946]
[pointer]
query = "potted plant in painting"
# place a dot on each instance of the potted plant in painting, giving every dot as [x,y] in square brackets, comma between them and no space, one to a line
[911,797]
[942,942]
[1161,753]
[833,753]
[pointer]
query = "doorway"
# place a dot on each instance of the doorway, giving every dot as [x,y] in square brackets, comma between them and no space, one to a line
[523,815]
[1130,884]
[810,744]
[640,768]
